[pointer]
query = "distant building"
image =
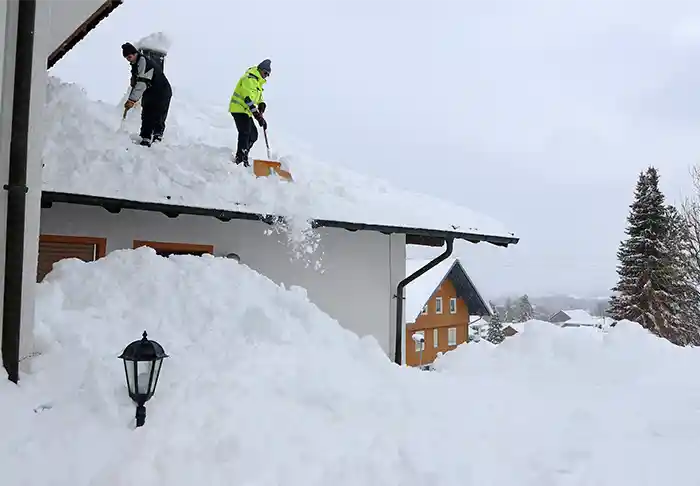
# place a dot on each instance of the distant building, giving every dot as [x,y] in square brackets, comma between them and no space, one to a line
[479,329]
[579,318]
[440,304]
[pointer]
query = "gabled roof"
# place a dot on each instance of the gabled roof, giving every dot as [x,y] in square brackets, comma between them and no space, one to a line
[98,16]
[420,290]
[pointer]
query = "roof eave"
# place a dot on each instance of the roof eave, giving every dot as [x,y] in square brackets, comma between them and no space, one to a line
[486,305]
[79,34]
[426,236]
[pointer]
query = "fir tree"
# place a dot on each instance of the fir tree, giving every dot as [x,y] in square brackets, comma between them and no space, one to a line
[495,334]
[509,311]
[525,311]
[647,290]
[686,318]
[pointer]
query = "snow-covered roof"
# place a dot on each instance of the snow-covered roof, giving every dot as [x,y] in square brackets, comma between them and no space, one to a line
[581,317]
[89,151]
[419,290]
[518,326]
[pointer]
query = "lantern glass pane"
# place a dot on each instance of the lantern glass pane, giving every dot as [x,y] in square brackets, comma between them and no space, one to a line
[143,376]
[156,373]
[130,367]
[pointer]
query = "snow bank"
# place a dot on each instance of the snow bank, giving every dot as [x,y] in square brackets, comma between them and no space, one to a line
[89,152]
[264,389]
[613,408]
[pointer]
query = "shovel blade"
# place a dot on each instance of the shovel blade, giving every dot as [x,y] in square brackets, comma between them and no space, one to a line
[265,168]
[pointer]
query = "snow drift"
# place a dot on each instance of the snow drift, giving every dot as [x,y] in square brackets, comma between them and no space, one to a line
[262,388]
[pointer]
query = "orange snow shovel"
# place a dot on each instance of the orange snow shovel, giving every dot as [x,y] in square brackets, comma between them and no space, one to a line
[264,168]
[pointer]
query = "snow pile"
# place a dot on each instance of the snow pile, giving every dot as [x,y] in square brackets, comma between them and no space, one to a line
[607,408]
[89,152]
[262,388]
[158,41]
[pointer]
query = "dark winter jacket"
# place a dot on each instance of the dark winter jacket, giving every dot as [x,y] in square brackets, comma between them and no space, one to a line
[148,79]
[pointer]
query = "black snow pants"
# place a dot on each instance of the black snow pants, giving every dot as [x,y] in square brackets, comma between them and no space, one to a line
[247,135]
[154,111]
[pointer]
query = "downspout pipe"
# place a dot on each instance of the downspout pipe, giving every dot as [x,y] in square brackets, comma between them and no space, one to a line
[17,189]
[398,350]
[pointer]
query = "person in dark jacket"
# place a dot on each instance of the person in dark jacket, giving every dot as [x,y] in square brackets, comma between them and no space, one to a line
[150,85]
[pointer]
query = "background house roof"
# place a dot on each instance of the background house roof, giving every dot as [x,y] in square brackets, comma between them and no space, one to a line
[578,316]
[89,151]
[582,318]
[419,291]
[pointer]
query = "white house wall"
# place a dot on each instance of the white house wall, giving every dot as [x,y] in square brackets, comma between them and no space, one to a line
[360,269]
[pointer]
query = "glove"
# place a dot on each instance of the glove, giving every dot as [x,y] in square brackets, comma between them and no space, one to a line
[262,106]
[129,104]
[261,121]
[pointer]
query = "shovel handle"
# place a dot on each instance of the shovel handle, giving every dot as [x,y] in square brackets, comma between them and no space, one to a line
[267,144]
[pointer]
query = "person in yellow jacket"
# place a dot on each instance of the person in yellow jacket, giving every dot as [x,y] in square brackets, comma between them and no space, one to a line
[247,103]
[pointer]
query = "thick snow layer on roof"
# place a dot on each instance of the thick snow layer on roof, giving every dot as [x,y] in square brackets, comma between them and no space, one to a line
[419,291]
[582,318]
[265,389]
[89,151]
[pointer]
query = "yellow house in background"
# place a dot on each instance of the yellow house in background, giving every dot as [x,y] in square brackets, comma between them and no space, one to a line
[440,305]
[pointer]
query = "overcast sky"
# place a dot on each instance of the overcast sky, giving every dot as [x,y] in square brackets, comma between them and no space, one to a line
[540,113]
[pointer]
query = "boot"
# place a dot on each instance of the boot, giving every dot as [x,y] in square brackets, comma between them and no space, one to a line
[242,159]
[146,142]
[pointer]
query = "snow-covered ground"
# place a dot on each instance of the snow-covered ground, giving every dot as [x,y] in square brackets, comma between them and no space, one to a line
[89,151]
[261,388]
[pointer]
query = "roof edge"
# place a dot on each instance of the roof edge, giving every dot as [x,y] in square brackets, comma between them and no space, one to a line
[432,292]
[174,210]
[458,263]
[83,29]
[487,305]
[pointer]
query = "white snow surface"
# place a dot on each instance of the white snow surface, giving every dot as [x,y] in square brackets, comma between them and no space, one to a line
[261,388]
[89,151]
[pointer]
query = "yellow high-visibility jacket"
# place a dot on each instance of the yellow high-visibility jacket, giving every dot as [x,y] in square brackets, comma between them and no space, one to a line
[250,85]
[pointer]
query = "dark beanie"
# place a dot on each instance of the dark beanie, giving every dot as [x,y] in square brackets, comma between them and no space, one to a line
[128,48]
[265,66]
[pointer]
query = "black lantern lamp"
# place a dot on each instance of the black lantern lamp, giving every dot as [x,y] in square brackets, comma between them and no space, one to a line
[142,363]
